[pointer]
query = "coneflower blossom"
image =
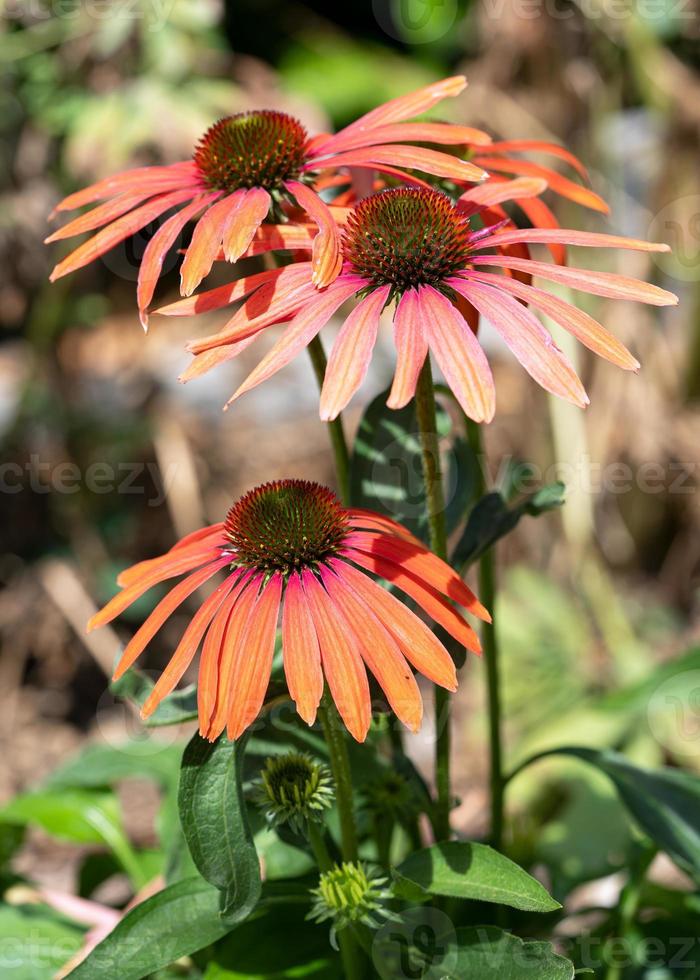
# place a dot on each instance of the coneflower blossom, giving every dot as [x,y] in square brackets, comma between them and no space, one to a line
[290,548]
[253,164]
[414,247]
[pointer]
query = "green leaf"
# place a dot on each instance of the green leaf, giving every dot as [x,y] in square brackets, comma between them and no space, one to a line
[179,920]
[664,802]
[460,869]
[215,823]
[80,815]
[178,707]
[491,954]
[35,942]
[492,518]
[104,765]
[386,470]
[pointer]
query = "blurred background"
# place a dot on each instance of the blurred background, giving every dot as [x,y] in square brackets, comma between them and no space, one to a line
[105,459]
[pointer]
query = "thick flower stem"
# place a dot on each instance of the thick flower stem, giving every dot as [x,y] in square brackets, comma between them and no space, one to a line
[335,428]
[487,594]
[340,767]
[435,504]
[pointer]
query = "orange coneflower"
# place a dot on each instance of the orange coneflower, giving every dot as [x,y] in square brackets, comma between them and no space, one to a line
[415,247]
[291,547]
[252,164]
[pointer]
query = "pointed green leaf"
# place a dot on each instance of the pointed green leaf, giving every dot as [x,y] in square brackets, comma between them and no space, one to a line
[460,869]
[491,954]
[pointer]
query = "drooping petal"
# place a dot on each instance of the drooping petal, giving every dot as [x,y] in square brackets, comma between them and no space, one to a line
[562,185]
[118,231]
[251,211]
[178,175]
[567,236]
[411,349]
[301,332]
[408,106]
[608,284]
[528,340]
[188,645]
[422,563]
[412,157]
[486,195]
[229,650]
[99,216]
[327,258]
[203,546]
[378,649]
[209,359]
[158,247]
[208,677]
[429,599]
[351,354]
[458,354]
[215,299]
[206,239]
[587,330]
[342,663]
[194,536]
[419,644]
[361,518]
[164,610]
[178,565]
[253,659]
[540,146]
[300,652]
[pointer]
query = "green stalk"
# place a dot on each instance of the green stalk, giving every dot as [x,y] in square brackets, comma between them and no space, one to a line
[340,767]
[487,595]
[335,428]
[627,910]
[435,504]
[349,950]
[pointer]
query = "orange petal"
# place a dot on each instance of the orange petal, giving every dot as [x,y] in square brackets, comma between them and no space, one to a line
[562,185]
[251,211]
[599,283]
[342,663]
[206,239]
[198,546]
[327,257]
[351,354]
[179,175]
[410,105]
[100,215]
[567,236]
[361,518]
[378,649]
[208,678]
[539,146]
[215,299]
[164,610]
[411,349]
[419,644]
[253,659]
[527,339]
[420,132]
[300,652]
[413,157]
[459,355]
[492,193]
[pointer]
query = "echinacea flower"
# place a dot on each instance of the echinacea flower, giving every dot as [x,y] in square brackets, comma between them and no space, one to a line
[290,547]
[247,165]
[414,247]
[351,893]
[294,789]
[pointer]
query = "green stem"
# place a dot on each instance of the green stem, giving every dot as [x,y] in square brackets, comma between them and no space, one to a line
[340,766]
[627,909]
[335,428]
[435,504]
[487,595]
[349,951]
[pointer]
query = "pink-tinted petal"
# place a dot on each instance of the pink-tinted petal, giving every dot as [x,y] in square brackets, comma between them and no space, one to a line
[158,247]
[215,299]
[539,146]
[599,283]
[412,157]
[180,175]
[209,359]
[458,354]
[300,652]
[251,211]
[351,354]
[562,185]
[378,648]
[420,132]
[118,231]
[101,215]
[490,193]
[300,332]
[253,659]
[206,240]
[528,340]
[342,663]
[203,546]
[411,349]
[327,258]
[164,610]
[361,518]
[567,236]
[408,106]
[576,321]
